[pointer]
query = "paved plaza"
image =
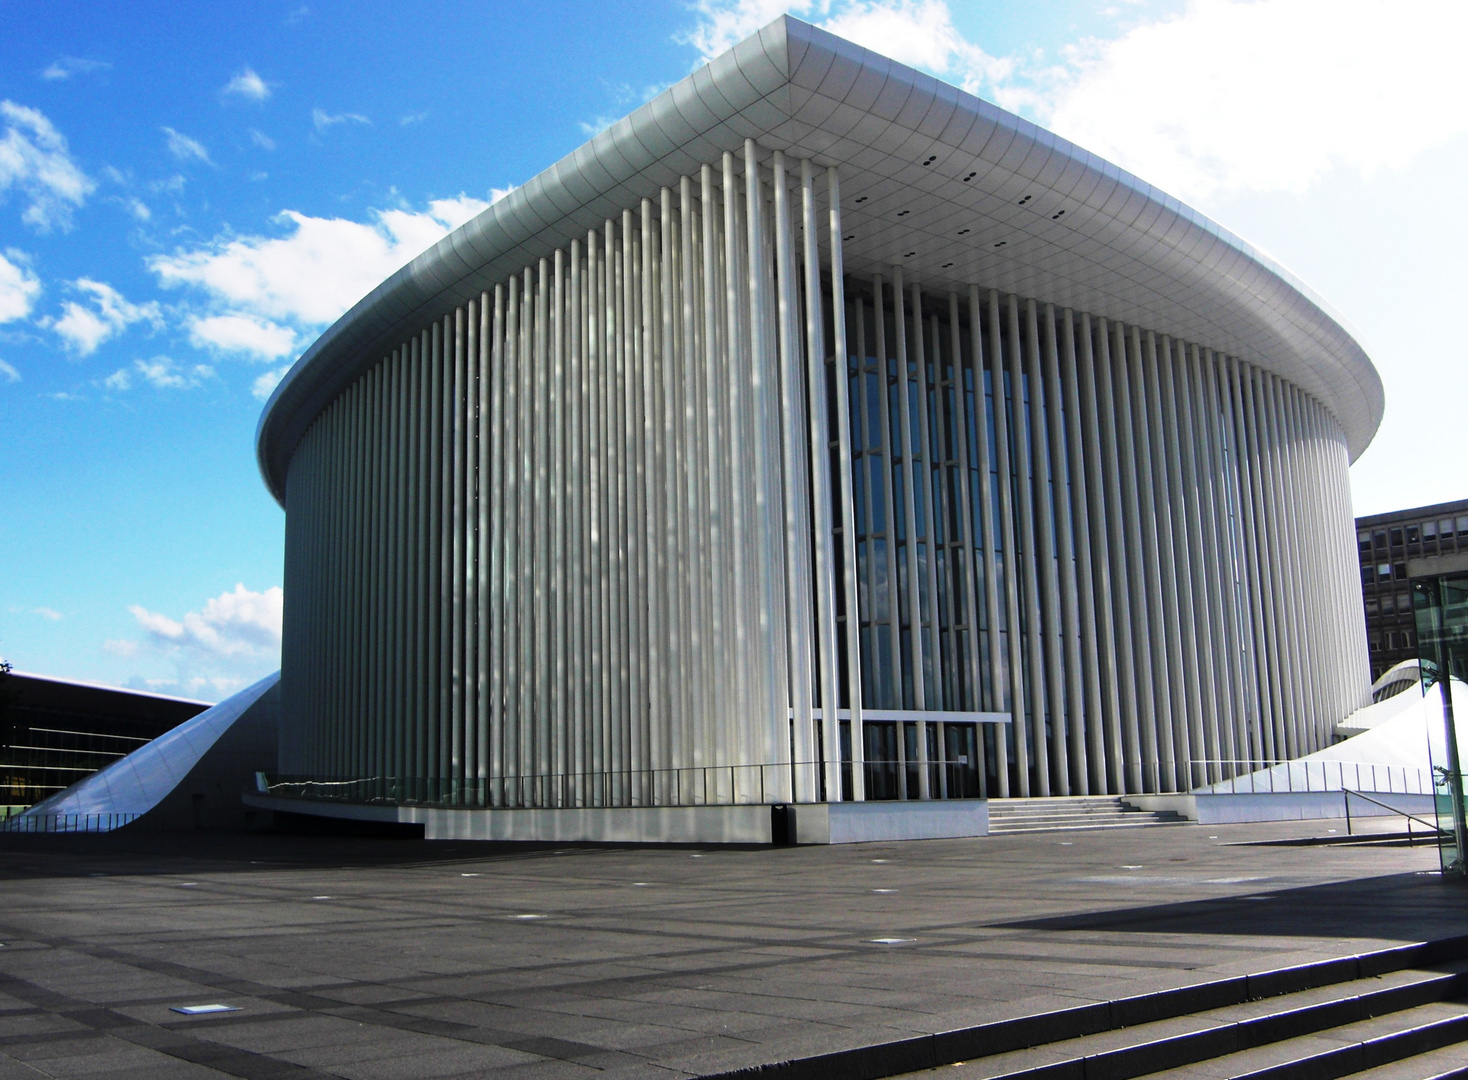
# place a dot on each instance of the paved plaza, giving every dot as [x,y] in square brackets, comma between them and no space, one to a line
[391,959]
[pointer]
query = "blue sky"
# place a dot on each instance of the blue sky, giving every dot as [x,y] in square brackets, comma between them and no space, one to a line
[189,193]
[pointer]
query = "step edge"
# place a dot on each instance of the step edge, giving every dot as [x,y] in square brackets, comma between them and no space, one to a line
[879,1060]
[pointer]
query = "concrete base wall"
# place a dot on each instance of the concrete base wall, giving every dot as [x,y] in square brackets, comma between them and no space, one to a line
[1225,809]
[815,823]
[866,822]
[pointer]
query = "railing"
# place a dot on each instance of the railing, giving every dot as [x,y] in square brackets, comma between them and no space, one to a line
[1436,831]
[711,785]
[1240,777]
[66,823]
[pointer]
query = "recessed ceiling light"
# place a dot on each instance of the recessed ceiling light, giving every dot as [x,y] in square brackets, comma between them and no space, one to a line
[202,1010]
[891,940]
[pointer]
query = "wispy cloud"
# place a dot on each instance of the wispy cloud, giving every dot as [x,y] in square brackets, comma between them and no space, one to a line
[262,140]
[231,641]
[184,148]
[627,99]
[324,120]
[316,270]
[7,370]
[35,160]
[19,287]
[265,384]
[160,372]
[84,326]
[64,67]
[248,85]
[413,118]
[251,335]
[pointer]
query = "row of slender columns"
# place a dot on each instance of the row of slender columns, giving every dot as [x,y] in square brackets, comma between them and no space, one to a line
[593,537]
[588,540]
[1153,571]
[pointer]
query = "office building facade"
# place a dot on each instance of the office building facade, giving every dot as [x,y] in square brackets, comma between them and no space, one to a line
[1386,545]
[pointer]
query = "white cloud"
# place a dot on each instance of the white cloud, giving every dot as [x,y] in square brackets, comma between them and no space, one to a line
[324,120]
[66,66]
[185,148]
[1225,96]
[248,334]
[248,85]
[11,375]
[919,33]
[1267,96]
[722,24]
[34,160]
[160,372]
[84,328]
[320,268]
[231,641]
[265,384]
[413,118]
[139,209]
[262,140]
[50,614]
[18,286]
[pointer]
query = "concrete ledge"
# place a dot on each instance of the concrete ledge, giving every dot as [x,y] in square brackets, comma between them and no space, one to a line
[746,824]
[867,822]
[753,823]
[1225,809]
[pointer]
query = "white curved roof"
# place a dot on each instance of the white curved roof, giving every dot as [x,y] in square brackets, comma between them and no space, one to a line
[1121,248]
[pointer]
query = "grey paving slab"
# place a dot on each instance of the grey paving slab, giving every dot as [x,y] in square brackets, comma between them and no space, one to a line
[728,958]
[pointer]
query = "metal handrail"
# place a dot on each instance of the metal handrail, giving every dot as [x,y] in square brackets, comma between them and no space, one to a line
[1347,793]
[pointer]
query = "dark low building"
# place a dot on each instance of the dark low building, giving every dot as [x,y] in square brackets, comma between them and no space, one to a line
[1386,544]
[54,732]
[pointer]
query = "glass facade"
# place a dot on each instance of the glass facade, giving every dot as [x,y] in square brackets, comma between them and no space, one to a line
[1385,544]
[55,733]
[1441,614]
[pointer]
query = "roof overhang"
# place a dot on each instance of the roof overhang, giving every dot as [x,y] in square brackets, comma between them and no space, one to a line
[1121,248]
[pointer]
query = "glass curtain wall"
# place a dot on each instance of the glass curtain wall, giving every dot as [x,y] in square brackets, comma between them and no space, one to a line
[1441,609]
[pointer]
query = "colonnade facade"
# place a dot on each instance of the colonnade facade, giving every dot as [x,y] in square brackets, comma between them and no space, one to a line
[685,513]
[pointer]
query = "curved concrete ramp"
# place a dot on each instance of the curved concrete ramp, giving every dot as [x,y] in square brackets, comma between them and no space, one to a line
[189,777]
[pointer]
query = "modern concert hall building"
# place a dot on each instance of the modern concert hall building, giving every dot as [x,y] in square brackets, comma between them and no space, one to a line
[818,433]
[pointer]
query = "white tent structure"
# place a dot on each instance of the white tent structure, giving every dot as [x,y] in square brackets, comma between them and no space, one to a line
[1392,747]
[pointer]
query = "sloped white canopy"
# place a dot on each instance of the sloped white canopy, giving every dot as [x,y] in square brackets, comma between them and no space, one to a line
[139,782]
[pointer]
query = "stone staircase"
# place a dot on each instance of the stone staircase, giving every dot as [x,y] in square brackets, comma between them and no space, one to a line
[1072,812]
[1390,1014]
[1371,1018]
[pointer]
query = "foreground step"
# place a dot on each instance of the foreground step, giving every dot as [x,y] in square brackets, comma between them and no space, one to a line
[1240,1040]
[1448,1063]
[1398,1039]
[1323,1019]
